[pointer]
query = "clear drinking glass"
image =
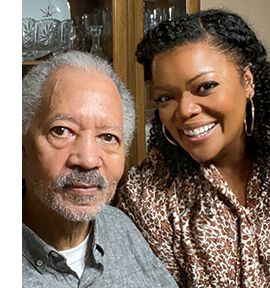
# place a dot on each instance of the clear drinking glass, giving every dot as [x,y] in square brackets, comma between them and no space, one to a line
[28,38]
[67,35]
[80,33]
[48,35]
[95,32]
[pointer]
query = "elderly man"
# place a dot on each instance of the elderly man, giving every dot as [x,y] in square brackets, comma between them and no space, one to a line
[78,121]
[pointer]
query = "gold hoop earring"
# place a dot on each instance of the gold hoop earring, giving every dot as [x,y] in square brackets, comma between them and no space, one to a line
[249,133]
[166,136]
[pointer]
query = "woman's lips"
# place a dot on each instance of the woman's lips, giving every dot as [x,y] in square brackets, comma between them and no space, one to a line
[199,131]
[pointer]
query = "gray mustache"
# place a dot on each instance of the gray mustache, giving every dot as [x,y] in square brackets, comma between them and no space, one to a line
[77,175]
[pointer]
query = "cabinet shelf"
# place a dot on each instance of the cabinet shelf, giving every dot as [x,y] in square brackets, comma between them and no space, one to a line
[30,62]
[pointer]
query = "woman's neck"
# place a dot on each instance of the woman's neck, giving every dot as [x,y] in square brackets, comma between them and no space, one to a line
[237,172]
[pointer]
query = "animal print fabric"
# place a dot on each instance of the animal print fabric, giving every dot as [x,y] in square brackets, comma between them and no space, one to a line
[196,226]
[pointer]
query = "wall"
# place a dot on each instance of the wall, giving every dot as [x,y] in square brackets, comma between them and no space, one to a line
[255,12]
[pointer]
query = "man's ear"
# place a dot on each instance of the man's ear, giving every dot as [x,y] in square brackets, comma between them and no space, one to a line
[249,82]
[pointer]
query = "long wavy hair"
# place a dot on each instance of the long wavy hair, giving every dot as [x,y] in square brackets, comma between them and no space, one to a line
[232,36]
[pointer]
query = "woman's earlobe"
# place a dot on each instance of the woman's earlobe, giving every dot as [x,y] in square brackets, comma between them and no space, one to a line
[249,82]
[250,90]
[251,94]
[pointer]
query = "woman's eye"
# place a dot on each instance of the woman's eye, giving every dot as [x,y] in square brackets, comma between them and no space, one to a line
[61,131]
[206,87]
[109,138]
[163,98]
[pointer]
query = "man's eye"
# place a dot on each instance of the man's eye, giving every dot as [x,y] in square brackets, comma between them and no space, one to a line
[109,138]
[61,131]
[163,98]
[206,87]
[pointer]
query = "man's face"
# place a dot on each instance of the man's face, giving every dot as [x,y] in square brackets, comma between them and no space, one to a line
[74,149]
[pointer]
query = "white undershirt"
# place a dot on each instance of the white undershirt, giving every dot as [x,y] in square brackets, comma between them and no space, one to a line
[76,257]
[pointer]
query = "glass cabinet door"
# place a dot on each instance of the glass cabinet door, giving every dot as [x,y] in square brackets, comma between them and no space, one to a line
[157,11]
[99,26]
[92,22]
[102,25]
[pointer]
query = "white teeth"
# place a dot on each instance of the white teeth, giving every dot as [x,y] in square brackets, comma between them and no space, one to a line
[199,131]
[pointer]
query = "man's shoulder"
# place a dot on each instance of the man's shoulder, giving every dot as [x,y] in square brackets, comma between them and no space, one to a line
[114,226]
[118,235]
[110,213]
[115,222]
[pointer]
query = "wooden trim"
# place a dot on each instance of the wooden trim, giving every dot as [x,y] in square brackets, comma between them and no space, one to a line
[192,6]
[136,79]
[119,29]
[30,62]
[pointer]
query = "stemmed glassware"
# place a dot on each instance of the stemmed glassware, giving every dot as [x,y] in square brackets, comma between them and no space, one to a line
[152,17]
[95,32]
[90,32]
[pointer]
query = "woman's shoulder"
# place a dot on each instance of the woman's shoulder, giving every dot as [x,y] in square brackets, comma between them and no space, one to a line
[144,183]
[153,165]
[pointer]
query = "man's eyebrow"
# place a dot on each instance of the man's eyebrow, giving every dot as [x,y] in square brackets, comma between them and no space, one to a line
[71,119]
[110,127]
[63,117]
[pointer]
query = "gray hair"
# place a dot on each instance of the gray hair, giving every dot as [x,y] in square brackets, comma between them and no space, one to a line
[33,82]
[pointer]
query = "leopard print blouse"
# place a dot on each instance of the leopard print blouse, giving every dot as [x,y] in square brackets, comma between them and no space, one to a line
[196,226]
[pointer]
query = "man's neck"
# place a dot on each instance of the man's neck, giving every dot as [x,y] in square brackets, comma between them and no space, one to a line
[52,228]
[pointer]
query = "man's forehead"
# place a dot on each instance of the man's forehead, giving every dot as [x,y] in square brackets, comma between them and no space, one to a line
[63,87]
[78,79]
[73,74]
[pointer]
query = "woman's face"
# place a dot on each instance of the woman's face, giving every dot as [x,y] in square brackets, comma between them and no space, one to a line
[202,100]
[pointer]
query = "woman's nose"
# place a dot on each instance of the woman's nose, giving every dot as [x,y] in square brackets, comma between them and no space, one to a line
[85,153]
[187,106]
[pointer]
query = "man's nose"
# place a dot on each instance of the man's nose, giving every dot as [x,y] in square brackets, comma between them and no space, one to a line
[187,106]
[85,153]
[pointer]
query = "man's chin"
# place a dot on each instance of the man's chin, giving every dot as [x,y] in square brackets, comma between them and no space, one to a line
[80,212]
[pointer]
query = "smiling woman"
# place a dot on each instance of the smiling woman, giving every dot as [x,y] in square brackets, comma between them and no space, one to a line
[202,191]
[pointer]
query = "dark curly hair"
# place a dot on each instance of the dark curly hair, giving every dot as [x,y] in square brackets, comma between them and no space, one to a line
[232,36]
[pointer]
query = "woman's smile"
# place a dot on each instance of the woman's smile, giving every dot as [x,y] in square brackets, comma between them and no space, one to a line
[199,131]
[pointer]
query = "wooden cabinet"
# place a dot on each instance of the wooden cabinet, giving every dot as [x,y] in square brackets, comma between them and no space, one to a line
[127,29]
